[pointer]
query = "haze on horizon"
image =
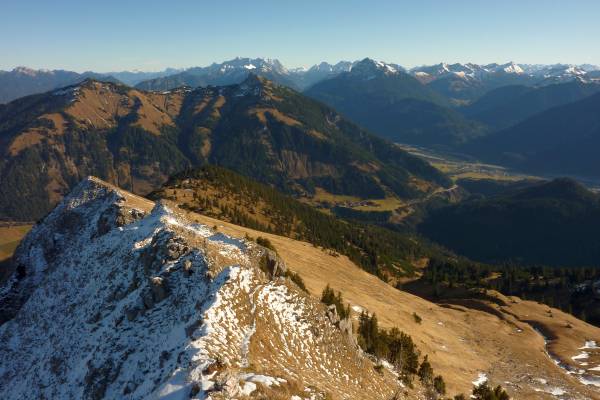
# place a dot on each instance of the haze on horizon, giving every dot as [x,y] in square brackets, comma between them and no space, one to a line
[153,35]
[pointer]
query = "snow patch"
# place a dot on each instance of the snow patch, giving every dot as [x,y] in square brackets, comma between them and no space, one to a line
[481,379]
[589,344]
[581,356]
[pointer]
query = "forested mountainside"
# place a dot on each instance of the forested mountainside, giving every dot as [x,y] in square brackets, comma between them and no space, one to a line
[509,105]
[561,140]
[137,139]
[228,196]
[550,223]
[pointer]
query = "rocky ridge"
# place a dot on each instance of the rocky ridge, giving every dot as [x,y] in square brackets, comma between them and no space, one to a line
[115,297]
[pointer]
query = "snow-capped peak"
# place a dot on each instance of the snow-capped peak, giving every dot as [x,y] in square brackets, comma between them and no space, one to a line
[511,68]
[369,67]
[29,71]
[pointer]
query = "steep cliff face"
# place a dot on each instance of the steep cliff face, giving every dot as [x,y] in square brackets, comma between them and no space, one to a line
[115,297]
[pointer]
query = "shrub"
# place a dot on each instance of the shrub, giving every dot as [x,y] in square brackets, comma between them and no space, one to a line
[439,385]
[425,372]
[297,279]
[330,297]
[484,392]
[264,242]
[417,318]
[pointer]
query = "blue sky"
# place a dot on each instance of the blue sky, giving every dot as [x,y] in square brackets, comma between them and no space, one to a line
[150,35]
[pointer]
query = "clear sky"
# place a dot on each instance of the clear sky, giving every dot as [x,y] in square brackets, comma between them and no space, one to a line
[148,35]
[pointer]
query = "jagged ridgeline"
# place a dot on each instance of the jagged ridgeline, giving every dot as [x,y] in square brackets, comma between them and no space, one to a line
[228,196]
[116,297]
[137,139]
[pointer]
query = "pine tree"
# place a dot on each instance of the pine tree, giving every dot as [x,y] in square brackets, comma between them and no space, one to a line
[439,385]
[425,372]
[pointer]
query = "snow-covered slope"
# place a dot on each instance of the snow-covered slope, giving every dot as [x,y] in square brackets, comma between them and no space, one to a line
[538,73]
[115,297]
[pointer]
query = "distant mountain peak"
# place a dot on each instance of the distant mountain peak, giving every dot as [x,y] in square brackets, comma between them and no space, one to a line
[252,64]
[511,68]
[30,71]
[369,67]
[254,81]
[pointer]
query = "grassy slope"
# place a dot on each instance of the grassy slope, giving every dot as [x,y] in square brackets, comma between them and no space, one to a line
[461,342]
[475,334]
[10,237]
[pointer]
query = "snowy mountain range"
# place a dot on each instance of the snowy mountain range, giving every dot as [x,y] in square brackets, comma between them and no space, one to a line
[476,71]
[23,81]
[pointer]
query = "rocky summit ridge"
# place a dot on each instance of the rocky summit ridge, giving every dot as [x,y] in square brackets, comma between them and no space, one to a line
[114,296]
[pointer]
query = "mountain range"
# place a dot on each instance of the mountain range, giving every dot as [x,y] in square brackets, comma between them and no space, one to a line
[138,139]
[395,105]
[467,82]
[460,82]
[226,73]
[22,81]
[467,108]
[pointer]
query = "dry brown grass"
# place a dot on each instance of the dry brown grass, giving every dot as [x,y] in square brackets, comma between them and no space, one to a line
[260,113]
[316,134]
[198,108]
[33,136]
[150,117]
[10,237]
[98,107]
[216,107]
[285,391]
[26,139]
[461,342]
[170,102]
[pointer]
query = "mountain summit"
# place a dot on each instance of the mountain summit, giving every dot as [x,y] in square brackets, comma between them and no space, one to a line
[225,73]
[367,67]
[115,297]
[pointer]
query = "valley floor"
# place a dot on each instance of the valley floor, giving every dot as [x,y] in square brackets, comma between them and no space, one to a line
[462,166]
